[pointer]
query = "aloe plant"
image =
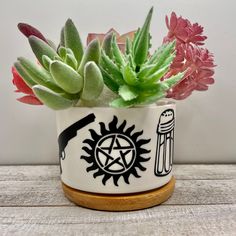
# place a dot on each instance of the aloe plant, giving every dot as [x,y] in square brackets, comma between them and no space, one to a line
[135,76]
[66,75]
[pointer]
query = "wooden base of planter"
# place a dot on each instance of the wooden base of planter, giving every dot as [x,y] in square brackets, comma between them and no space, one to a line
[120,202]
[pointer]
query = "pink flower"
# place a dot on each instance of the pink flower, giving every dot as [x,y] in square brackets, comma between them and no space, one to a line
[121,39]
[183,31]
[198,62]
[22,87]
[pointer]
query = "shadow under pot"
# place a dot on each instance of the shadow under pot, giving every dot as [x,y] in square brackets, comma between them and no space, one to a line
[117,159]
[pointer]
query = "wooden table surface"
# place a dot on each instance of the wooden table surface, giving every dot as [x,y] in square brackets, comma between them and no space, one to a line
[204,203]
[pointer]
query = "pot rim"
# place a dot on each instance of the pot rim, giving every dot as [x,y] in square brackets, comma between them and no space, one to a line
[158,104]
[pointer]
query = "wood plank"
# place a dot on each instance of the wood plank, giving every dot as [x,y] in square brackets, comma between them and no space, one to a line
[49,193]
[213,172]
[29,173]
[161,220]
[51,172]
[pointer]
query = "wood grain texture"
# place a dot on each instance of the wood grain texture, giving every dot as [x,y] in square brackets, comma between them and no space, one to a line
[161,220]
[204,203]
[121,202]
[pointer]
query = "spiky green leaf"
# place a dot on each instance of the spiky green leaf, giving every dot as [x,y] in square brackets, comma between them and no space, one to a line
[41,48]
[142,44]
[108,65]
[109,82]
[127,93]
[93,82]
[129,75]
[51,99]
[72,40]
[66,77]
[121,103]
[118,57]
[92,53]
[173,80]
[156,76]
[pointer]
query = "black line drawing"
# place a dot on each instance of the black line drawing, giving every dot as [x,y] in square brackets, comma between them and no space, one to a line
[115,152]
[71,132]
[165,143]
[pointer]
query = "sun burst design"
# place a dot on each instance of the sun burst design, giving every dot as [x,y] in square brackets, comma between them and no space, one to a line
[115,152]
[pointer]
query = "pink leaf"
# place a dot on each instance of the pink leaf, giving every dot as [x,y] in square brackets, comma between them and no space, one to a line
[30,99]
[29,30]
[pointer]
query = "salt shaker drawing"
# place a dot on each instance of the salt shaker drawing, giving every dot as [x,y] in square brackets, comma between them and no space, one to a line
[165,143]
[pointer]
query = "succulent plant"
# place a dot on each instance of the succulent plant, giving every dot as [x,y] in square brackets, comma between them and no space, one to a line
[63,76]
[135,75]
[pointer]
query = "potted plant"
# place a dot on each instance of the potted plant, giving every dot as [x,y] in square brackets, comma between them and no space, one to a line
[115,123]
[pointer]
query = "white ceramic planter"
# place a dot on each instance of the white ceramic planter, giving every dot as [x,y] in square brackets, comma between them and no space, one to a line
[116,151]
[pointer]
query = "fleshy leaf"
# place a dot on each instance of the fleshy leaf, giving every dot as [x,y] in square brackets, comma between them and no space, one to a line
[51,99]
[41,48]
[93,82]
[127,93]
[109,82]
[24,75]
[66,77]
[92,53]
[62,37]
[38,74]
[30,99]
[29,30]
[72,40]
[46,61]
[143,41]
[106,45]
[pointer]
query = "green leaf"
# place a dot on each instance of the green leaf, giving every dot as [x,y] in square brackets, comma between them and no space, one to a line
[117,54]
[51,99]
[129,75]
[128,46]
[41,48]
[145,100]
[46,61]
[108,65]
[62,52]
[66,77]
[106,45]
[62,37]
[71,61]
[38,74]
[109,82]
[165,57]
[127,93]
[92,53]
[142,43]
[156,76]
[24,74]
[121,103]
[154,58]
[72,40]
[93,82]
[173,80]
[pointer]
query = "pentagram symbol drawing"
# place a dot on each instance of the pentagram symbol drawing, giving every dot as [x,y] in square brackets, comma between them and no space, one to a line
[123,153]
[115,152]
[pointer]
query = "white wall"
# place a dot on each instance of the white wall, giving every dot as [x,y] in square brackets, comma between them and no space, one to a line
[206,122]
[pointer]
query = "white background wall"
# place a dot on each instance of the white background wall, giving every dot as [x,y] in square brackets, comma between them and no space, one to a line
[206,122]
